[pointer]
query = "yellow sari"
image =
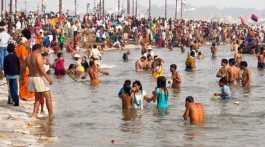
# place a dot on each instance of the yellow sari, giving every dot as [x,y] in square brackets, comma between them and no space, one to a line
[159,72]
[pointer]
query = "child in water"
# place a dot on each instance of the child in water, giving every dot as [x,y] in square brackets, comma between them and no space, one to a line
[225,90]
[160,94]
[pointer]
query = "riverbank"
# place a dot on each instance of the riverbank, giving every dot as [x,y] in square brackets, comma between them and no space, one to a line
[17,129]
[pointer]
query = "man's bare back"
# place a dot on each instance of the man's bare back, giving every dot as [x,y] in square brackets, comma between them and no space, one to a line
[246,78]
[233,74]
[195,113]
[127,102]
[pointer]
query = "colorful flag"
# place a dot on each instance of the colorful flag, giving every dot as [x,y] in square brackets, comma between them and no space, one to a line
[254,18]
[242,20]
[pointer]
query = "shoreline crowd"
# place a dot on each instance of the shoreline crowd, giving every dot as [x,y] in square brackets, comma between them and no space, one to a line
[27,41]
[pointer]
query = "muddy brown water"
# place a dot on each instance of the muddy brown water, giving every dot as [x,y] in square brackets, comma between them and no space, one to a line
[92,116]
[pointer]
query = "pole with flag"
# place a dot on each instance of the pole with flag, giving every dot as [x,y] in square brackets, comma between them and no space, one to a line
[75,7]
[149,9]
[128,7]
[176,10]
[132,7]
[42,6]
[60,6]
[119,6]
[11,7]
[2,9]
[15,6]
[103,8]
[165,9]
[136,8]
[181,8]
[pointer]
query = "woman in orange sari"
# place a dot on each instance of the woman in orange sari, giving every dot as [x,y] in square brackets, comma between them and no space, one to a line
[22,53]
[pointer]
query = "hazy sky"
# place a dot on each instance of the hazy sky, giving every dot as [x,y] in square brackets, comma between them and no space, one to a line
[69,4]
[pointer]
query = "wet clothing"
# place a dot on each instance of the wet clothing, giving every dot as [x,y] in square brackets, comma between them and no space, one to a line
[138,100]
[226,92]
[190,64]
[85,65]
[59,67]
[122,91]
[162,98]
[158,72]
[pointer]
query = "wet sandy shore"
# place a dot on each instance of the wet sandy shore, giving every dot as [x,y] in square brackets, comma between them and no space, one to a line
[17,129]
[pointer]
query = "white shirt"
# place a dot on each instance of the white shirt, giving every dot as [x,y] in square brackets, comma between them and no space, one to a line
[18,25]
[4,39]
[50,38]
[138,100]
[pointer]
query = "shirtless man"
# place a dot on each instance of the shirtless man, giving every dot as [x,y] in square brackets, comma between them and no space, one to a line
[149,62]
[94,72]
[245,78]
[176,80]
[38,81]
[213,50]
[194,111]
[260,56]
[233,72]
[140,64]
[126,98]
[222,72]
[238,57]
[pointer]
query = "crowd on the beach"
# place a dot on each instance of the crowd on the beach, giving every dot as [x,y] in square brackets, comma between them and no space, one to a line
[27,43]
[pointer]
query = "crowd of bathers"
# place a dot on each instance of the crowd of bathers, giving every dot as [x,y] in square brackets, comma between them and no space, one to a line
[84,40]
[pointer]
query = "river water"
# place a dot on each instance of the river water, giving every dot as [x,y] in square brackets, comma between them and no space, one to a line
[92,116]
